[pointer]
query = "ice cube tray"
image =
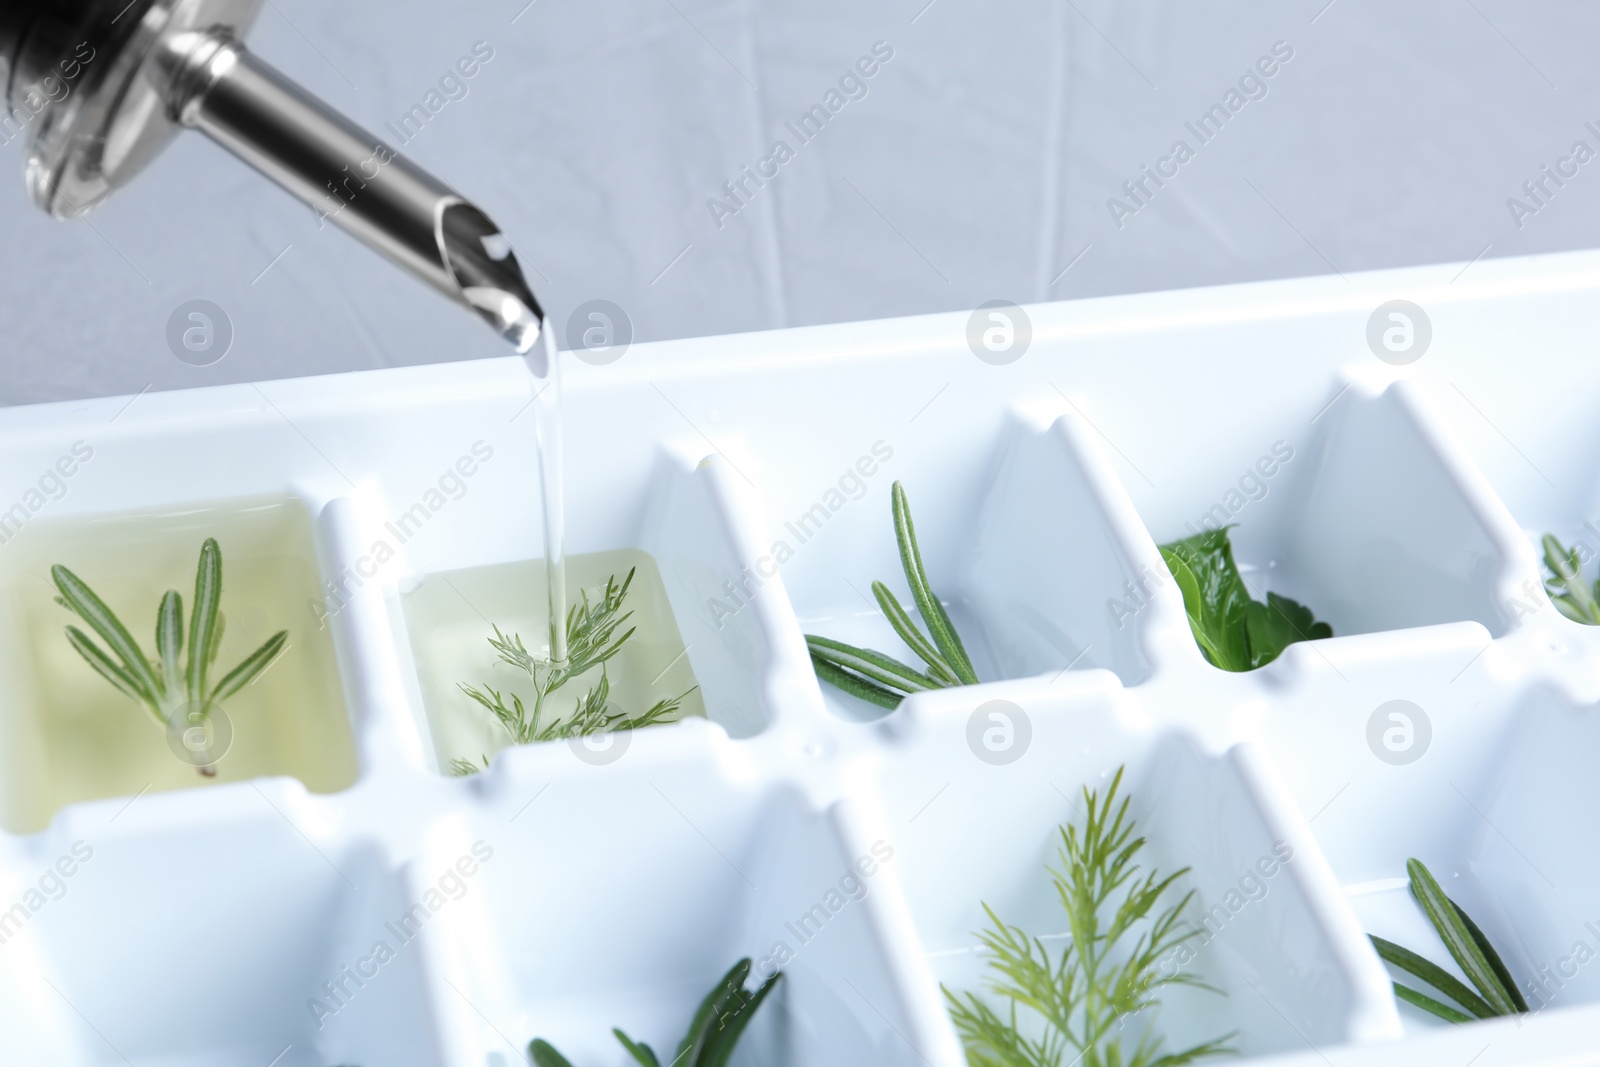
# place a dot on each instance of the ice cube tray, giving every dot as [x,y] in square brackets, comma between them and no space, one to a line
[394,915]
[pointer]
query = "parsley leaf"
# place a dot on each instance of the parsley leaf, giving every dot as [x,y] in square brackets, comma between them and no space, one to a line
[1235,631]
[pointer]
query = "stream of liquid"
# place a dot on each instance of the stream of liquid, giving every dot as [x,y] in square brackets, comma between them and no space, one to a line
[547,431]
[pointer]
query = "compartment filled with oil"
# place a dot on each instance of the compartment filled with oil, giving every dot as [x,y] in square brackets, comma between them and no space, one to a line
[68,735]
[452,615]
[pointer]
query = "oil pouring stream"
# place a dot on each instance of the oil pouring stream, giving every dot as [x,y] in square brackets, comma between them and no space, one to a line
[546,371]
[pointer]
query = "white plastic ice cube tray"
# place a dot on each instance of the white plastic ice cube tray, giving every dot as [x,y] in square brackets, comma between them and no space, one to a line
[558,894]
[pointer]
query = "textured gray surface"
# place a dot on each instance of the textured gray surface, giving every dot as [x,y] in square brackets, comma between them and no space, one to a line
[977,166]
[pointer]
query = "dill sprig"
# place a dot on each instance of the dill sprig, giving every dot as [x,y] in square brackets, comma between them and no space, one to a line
[1497,994]
[715,1031]
[1572,596]
[1080,1002]
[592,641]
[883,680]
[171,687]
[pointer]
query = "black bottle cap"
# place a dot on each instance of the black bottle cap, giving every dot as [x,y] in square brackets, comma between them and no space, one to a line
[38,36]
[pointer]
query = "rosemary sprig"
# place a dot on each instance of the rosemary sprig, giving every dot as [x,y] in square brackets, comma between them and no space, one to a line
[166,687]
[592,641]
[1496,993]
[1080,1002]
[883,680]
[718,1025]
[1572,596]
[1235,631]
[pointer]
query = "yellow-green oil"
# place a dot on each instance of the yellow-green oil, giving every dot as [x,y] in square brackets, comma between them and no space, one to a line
[66,735]
[451,616]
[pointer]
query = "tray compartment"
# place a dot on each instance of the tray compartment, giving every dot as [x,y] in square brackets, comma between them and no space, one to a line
[69,736]
[450,609]
[1365,512]
[1063,573]
[244,924]
[1533,446]
[712,617]
[1397,529]
[1518,394]
[1497,758]
[1282,946]
[566,940]
[724,581]
[1042,563]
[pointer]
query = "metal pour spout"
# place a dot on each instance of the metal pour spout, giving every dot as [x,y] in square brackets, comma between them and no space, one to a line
[217,86]
[145,68]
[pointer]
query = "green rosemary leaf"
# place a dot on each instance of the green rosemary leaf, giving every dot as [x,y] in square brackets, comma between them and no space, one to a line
[169,640]
[89,607]
[933,613]
[1498,965]
[543,1054]
[939,668]
[111,672]
[250,669]
[854,684]
[165,689]
[202,623]
[730,1025]
[1571,595]
[1457,938]
[217,630]
[1430,972]
[1564,606]
[641,1052]
[1428,1004]
[723,997]
[874,666]
[883,680]
[716,1003]
[718,1023]
[621,593]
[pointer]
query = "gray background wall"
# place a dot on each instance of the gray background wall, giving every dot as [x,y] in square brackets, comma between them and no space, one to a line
[977,166]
